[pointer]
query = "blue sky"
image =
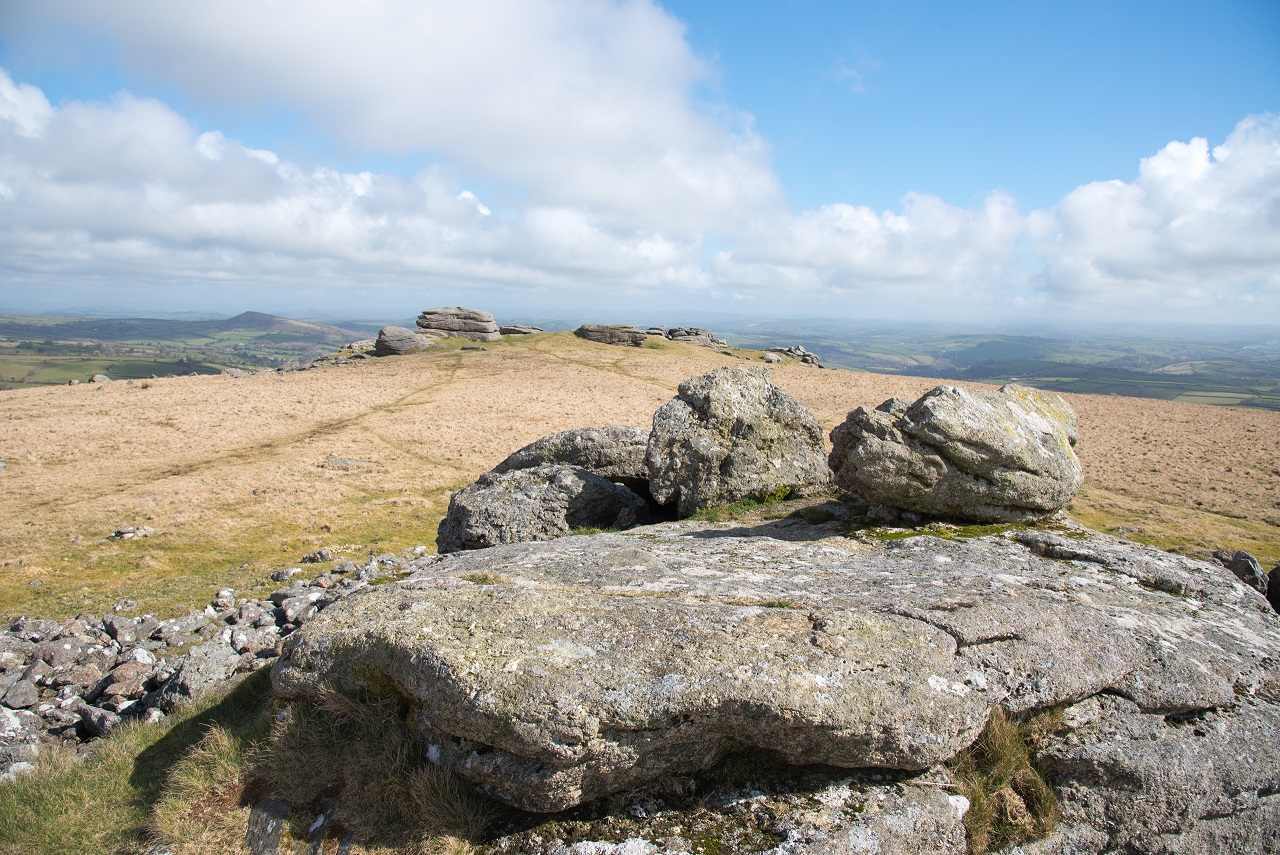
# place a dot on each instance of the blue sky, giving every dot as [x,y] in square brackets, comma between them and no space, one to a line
[863,159]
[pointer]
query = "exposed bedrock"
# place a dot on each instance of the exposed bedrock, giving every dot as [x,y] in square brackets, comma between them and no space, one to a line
[459,322]
[731,434]
[988,456]
[590,665]
[622,335]
[397,341]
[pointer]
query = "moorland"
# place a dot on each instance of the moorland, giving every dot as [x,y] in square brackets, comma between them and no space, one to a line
[238,476]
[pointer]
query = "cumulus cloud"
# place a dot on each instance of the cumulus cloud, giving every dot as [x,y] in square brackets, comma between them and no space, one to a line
[1198,227]
[129,193]
[930,251]
[585,103]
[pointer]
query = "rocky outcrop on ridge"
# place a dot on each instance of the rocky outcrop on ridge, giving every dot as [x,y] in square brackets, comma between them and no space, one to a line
[535,504]
[584,666]
[519,329]
[986,456]
[696,336]
[615,453]
[732,434]
[459,322]
[397,341]
[797,352]
[624,335]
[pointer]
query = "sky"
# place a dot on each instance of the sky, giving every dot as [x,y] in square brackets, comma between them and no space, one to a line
[655,163]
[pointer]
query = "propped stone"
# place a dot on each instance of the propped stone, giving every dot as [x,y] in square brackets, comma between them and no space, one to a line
[987,456]
[535,504]
[615,452]
[731,434]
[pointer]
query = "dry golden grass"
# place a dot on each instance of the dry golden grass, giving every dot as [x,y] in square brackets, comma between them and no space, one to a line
[233,474]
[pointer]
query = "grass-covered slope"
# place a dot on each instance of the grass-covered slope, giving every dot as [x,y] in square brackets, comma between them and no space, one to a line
[240,476]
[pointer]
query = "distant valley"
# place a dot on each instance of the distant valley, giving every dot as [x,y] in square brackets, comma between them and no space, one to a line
[1211,365]
[46,351]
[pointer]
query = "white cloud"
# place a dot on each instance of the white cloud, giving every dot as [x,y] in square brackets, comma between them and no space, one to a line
[24,107]
[932,255]
[666,206]
[1196,228]
[577,102]
[129,192]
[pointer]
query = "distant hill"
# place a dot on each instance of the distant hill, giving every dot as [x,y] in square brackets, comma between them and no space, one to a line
[43,351]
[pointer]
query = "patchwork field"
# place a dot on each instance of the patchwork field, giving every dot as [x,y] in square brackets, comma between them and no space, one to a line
[240,476]
[52,351]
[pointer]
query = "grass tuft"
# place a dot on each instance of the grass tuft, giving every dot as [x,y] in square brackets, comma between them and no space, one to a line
[362,756]
[104,802]
[484,577]
[742,507]
[1009,800]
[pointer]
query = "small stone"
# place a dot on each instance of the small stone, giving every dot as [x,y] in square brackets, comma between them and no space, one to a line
[21,695]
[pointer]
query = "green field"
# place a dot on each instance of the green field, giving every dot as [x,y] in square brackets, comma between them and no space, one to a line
[1230,366]
[43,351]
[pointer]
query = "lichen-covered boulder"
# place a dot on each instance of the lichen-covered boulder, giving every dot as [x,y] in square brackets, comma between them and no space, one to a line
[615,452]
[397,341]
[553,673]
[988,456]
[731,434]
[622,335]
[459,322]
[535,504]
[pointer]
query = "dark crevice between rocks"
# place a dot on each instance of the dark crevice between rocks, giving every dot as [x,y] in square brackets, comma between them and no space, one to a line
[704,809]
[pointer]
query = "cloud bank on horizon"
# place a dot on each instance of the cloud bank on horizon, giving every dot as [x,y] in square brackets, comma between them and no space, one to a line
[569,159]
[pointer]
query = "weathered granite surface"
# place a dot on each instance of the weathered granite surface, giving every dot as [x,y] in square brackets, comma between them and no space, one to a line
[593,664]
[731,434]
[541,503]
[615,452]
[988,456]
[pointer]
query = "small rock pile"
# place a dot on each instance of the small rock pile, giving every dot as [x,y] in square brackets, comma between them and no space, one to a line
[71,682]
[695,335]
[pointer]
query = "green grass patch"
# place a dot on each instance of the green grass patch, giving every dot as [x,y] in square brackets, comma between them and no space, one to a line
[106,803]
[1009,799]
[180,569]
[742,507]
[362,755]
